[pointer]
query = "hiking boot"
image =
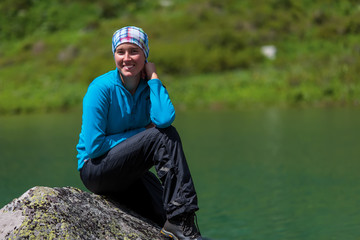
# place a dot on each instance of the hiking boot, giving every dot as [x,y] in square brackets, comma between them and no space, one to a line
[182,228]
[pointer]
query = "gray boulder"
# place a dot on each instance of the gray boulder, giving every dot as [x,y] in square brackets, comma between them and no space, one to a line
[69,213]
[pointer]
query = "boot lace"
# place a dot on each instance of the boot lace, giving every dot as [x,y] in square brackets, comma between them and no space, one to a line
[190,225]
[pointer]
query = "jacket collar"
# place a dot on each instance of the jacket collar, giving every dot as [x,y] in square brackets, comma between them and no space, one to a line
[142,84]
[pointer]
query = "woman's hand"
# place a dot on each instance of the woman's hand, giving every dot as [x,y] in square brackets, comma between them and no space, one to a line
[150,71]
[150,125]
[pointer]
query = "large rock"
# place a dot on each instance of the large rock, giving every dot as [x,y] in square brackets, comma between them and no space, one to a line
[69,213]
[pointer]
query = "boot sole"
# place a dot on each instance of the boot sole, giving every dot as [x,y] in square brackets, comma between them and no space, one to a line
[168,234]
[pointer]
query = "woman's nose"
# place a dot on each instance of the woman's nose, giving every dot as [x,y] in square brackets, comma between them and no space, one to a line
[127,56]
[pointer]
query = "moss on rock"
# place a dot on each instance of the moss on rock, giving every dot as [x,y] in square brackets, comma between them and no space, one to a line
[69,213]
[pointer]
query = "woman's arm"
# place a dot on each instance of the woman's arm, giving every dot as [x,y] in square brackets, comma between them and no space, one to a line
[95,112]
[162,111]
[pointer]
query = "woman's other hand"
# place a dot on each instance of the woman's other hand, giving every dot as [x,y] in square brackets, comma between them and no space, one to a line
[150,71]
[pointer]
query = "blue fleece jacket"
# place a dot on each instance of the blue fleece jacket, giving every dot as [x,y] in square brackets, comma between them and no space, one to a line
[111,114]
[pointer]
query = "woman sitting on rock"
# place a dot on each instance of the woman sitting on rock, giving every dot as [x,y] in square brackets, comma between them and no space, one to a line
[126,129]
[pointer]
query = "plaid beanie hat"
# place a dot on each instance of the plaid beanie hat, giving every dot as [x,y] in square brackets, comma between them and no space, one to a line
[131,34]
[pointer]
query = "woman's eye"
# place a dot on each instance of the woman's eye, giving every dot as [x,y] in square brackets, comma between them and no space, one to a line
[131,51]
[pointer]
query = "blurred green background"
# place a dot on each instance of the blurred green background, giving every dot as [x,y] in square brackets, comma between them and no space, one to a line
[278,158]
[208,52]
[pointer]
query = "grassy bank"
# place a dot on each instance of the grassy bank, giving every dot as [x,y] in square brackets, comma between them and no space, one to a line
[207,53]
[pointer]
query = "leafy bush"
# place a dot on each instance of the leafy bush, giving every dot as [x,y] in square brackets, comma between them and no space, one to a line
[51,50]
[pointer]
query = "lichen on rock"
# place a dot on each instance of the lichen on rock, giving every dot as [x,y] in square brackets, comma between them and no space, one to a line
[69,213]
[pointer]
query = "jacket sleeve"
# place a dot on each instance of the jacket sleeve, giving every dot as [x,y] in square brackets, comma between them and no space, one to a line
[95,111]
[162,111]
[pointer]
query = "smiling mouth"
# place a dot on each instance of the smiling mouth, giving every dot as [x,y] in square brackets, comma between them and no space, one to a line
[128,67]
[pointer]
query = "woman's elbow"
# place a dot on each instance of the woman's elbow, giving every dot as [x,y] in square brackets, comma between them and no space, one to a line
[164,120]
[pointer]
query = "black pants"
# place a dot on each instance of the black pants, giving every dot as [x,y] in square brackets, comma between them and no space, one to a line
[124,173]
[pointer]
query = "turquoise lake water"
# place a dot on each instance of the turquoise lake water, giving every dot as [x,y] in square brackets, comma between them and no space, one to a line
[260,174]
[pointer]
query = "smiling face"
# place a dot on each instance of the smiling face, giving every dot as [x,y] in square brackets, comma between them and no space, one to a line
[129,59]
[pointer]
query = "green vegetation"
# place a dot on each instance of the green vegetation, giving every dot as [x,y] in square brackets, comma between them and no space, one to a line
[207,51]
